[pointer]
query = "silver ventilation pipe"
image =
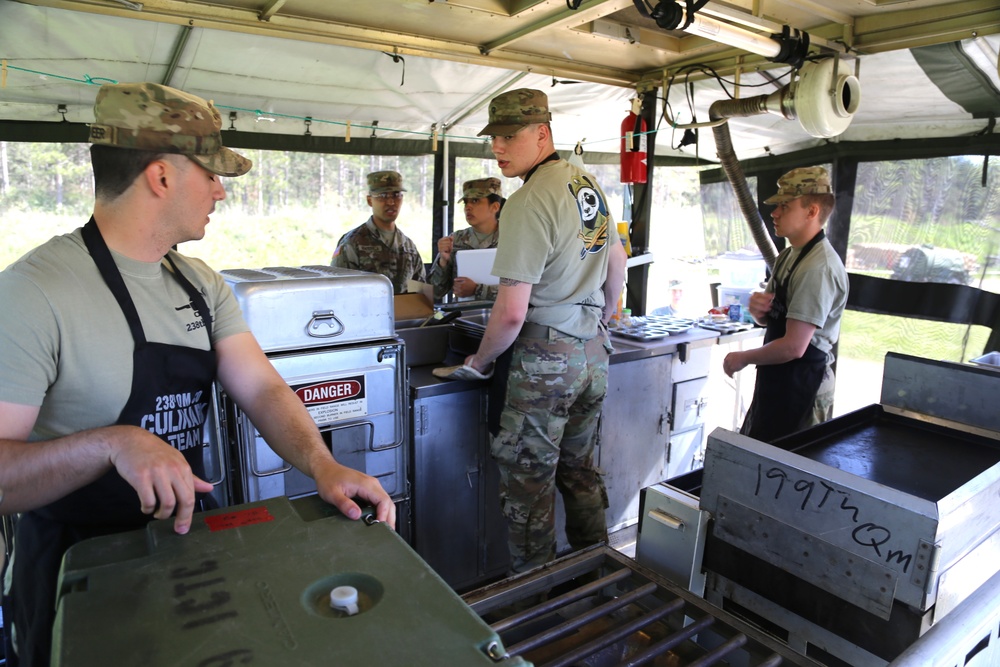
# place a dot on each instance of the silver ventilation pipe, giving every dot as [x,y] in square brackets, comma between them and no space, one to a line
[824,99]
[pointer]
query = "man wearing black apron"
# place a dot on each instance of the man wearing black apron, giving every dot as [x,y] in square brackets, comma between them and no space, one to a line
[109,362]
[801,308]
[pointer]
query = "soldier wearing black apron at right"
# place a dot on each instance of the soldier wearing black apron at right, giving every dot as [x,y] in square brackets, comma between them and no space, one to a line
[801,308]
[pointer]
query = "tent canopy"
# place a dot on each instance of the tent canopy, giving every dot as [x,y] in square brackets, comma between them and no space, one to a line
[425,70]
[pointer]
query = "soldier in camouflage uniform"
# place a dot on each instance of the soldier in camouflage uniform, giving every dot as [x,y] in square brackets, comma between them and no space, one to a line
[483,202]
[561,268]
[801,308]
[378,246]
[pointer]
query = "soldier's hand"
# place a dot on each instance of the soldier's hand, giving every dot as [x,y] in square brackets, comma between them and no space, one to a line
[760,304]
[445,246]
[160,475]
[464,286]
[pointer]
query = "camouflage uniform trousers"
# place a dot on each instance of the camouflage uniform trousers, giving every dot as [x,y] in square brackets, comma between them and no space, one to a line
[548,431]
[822,409]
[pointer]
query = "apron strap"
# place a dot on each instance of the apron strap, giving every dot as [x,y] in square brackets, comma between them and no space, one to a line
[805,251]
[112,277]
[196,298]
[106,265]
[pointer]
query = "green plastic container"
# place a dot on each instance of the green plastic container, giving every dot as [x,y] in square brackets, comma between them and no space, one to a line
[250,585]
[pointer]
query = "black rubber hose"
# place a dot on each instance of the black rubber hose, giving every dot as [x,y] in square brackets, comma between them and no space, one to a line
[751,106]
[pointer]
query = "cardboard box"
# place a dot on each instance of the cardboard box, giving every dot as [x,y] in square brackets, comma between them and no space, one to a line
[411,307]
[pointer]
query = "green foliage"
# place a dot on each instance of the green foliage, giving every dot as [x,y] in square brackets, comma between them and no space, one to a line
[50,177]
[867,337]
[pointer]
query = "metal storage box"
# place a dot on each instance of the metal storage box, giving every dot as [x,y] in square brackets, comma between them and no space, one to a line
[329,333]
[251,585]
[907,508]
[312,306]
[356,395]
[860,535]
[988,360]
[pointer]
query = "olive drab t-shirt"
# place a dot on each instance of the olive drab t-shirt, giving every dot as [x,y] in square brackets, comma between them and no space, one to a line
[555,235]
[817,291]
[69,349]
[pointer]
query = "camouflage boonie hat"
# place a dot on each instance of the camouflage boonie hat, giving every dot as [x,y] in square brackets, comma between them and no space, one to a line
[511,111]
[480,188]
[801,181]
[151,117]
[385,181]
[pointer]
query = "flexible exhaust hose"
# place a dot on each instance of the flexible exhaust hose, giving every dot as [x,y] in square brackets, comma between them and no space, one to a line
[752,106]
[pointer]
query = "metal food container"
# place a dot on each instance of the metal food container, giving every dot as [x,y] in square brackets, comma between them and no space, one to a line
[252,585]
[330,334]
[291,308]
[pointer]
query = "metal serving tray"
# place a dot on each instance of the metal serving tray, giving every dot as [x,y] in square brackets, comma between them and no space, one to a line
[290,308]
[652,327]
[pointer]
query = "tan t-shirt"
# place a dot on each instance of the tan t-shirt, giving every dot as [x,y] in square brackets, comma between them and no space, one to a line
[555,235]
[69,348]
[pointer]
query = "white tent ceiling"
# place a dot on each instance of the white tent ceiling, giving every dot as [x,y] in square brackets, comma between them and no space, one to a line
[273,81]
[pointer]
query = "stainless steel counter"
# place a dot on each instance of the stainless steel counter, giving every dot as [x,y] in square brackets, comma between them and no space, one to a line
[429,348]
[455,494]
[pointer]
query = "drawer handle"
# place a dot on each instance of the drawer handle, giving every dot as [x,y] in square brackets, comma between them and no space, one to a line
[323,318]
[668,520]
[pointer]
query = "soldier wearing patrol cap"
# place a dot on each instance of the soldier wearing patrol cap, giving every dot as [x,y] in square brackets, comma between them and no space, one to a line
[561,268]
[378,245]
[117,341]
[483,201]
[801,308]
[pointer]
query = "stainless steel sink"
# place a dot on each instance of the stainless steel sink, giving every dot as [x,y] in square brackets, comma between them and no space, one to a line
[477,317]
[425,345]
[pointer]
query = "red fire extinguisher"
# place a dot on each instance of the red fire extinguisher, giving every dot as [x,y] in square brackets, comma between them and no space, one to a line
[633,148]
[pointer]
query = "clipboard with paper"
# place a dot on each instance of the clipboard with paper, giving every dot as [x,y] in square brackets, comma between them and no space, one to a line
[476,265]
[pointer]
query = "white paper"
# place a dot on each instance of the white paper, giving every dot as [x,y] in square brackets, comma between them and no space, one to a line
[417,287]
[476,265]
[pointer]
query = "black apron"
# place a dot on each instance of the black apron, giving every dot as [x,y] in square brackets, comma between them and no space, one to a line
[784,394]
[170,396]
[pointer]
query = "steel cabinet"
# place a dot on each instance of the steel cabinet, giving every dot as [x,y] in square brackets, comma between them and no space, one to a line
[458,528]
[635,433]
[688,409]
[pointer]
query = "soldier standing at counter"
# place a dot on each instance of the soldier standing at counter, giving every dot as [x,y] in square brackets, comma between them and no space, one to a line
[801,308]
[377,245]
[108,365]
[483,202]
[561,268]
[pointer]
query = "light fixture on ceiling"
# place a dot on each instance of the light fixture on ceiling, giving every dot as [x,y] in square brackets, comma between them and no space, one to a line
[137,6]
[791,46]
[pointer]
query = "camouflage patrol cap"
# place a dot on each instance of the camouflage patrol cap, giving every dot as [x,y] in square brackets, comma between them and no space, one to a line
[151,117]
[385,181]
[801,181]
[511,111]
[481,187]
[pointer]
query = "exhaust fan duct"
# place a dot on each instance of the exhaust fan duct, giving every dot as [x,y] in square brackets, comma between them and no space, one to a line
[824,99]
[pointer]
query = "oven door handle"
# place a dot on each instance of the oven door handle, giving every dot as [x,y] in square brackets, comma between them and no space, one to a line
[323,318]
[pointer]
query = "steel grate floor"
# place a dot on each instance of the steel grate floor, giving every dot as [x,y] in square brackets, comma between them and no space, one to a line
[598,608]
